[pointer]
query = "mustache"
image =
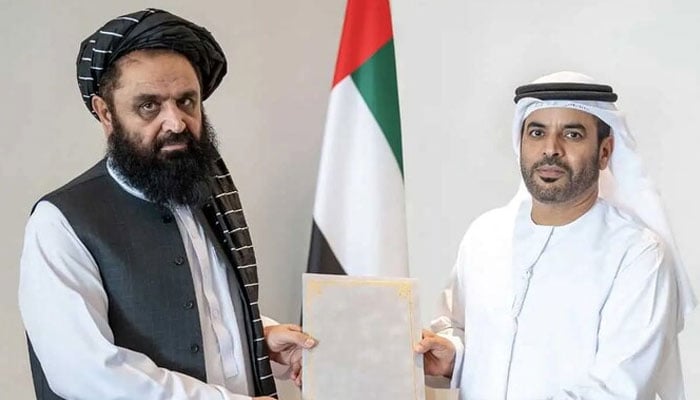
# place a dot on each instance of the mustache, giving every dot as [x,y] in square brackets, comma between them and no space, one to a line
[552,161]
[185,137]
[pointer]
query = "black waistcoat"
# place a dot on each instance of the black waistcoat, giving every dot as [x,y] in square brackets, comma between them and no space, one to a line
[144,269]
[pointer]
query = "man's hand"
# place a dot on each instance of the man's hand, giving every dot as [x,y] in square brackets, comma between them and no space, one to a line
[285,343]
[438,354]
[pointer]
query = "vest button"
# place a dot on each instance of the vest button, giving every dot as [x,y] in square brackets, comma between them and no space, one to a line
[189,305]
[179,260]
[194,348]
[167,219]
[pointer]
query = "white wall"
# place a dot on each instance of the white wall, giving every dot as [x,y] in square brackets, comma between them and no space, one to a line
[458,61]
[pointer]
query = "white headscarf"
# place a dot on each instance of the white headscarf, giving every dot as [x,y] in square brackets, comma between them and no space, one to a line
[624,184]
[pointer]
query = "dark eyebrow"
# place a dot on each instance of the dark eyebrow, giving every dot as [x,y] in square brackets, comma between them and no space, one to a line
[534,124]
[148,98]
[575,126]
[189,94]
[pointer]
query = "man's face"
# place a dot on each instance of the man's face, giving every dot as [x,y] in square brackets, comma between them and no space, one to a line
[157,95]
[158,136]
[560,159]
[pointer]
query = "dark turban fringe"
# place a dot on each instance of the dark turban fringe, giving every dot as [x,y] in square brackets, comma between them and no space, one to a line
[566,91]
[148,29]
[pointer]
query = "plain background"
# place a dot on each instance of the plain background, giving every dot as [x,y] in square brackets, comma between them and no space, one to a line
[458,63]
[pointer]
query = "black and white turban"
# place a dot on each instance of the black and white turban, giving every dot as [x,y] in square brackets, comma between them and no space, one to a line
[148,29]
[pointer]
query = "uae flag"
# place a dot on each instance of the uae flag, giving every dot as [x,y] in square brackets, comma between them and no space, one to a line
[359,223]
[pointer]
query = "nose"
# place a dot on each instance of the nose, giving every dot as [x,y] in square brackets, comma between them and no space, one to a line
[173,119]
[553,146]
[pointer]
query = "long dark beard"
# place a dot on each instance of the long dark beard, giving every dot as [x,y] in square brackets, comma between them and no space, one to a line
[552,194]
[176,178]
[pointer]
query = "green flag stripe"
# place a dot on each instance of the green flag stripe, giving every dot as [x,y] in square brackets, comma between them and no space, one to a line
[376,82]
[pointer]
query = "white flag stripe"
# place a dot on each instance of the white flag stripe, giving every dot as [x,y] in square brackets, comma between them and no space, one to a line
[360,195]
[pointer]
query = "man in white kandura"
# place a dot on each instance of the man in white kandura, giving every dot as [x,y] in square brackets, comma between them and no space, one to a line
[575,290]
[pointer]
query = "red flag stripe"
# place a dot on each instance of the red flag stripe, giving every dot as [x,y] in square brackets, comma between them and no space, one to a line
[367,27]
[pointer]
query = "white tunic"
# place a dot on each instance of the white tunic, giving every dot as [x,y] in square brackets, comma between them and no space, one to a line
[581,311]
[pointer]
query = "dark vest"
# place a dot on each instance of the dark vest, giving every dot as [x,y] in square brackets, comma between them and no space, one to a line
[144,269]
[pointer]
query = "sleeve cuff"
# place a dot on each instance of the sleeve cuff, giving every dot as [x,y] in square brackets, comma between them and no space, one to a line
[459,360]
[267,321]
[226,395]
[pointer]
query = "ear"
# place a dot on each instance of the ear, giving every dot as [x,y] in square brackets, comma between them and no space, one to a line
[103,113]
[605,151]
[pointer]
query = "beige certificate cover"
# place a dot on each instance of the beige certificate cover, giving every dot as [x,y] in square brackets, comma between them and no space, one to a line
[366,329]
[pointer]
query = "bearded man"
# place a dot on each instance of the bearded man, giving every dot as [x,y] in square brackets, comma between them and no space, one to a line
[138,278]
[575,289]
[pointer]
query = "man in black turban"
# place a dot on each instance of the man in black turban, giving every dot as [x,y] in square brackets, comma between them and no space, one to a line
[139,278]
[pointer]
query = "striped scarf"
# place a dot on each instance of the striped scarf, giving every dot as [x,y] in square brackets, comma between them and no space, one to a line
[225,215]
